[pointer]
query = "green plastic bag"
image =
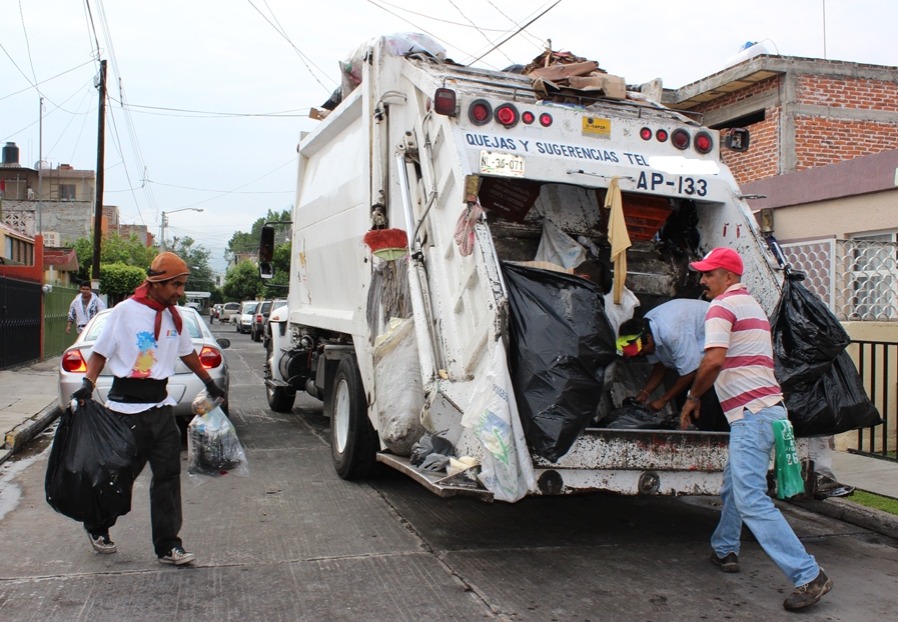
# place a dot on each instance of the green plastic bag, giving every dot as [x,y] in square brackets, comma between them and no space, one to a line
[788,466]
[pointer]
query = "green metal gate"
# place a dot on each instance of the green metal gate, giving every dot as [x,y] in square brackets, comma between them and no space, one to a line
[56,308]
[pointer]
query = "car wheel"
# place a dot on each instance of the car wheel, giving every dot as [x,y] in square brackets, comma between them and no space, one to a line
[354,442]
[280,399]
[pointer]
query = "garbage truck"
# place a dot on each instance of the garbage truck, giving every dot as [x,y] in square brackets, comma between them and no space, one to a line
[438,304]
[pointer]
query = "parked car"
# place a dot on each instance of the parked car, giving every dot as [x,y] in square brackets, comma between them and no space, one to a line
[245,319]
[228,310]
[183,386]
[277,303]
[259,319]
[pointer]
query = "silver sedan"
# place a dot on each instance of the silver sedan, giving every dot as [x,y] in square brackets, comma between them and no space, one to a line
[183,386]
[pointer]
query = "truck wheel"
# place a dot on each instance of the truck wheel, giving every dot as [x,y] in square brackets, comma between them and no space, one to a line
[280,400]
[353,439]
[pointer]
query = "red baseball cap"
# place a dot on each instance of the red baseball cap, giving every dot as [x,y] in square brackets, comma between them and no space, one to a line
[725,258]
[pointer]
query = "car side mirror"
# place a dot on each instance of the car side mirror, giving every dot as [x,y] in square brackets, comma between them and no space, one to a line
[223,342]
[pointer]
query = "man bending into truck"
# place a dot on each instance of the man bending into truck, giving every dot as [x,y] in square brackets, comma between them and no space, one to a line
[738,362]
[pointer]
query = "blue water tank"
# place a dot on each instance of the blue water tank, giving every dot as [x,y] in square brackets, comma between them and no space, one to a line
[10,153]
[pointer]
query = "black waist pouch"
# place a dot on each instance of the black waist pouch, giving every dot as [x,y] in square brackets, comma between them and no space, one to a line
[138,390]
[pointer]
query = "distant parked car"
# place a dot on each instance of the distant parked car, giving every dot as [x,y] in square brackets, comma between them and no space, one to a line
[245,319]
[259,318]
[228,310]
[215,312]
[183,386]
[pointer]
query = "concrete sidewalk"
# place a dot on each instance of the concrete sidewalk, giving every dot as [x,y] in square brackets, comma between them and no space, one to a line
[28,404]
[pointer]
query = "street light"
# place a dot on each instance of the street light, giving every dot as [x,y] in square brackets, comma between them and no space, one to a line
[164,222]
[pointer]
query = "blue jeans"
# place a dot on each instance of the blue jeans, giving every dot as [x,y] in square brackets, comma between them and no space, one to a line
[745,499]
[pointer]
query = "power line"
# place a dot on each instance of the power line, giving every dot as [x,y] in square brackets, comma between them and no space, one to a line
[488,40]
[515,33]
[211,114]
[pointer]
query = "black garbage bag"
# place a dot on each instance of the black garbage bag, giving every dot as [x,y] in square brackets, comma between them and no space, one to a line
[90,469]
[835,403]
[561,342]
[634,416]
[807,337]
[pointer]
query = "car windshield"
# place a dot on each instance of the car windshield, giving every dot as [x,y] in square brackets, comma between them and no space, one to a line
[249,307]
[265,307]
[277,304]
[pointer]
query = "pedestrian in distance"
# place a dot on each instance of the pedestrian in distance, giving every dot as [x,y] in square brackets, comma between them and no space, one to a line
[738,363]
[141,342]
[85,305]
[671,336]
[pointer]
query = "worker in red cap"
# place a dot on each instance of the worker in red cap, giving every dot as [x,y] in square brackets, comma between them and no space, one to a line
[738,362]
[141,342]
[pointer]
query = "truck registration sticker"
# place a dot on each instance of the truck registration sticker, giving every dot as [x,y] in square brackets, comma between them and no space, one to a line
[595,126]
[498,163]
[689,186]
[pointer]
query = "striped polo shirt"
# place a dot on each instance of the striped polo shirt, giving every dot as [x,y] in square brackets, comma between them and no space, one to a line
[737,322]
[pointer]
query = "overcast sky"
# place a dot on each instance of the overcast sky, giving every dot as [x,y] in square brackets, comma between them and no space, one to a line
[216,92]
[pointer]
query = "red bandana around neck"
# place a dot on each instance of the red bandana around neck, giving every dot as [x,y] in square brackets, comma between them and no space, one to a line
[141,295]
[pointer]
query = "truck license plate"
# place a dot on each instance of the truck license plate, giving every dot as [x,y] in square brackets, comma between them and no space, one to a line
[505,164]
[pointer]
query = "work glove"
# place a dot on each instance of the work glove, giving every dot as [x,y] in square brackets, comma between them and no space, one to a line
[85,392]
[215,391]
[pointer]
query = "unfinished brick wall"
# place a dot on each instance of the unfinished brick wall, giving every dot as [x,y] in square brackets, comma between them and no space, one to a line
[838,133]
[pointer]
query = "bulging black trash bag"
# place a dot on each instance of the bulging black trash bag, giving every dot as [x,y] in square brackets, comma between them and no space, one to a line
[835,403]
[90,469]
[561,342]
[807,337]
[635,416]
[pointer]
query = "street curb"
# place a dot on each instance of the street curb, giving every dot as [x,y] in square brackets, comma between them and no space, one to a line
[27,430]
[850,512]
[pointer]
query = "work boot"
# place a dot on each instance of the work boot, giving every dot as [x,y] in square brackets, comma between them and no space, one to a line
[727,563]
[809,593]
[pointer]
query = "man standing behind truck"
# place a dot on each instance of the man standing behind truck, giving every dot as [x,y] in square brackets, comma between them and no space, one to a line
[738,362]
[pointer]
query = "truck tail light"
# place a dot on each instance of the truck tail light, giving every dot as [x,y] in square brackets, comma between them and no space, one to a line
[74,362]
[444,102]
[210,357]
[507,115]
[480,112]
[703,142]
[545,119]
[661,135]
[645,133]
[527,117]
[680,139]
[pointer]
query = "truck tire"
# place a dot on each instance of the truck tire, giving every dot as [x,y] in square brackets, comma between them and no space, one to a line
[280,399]
[353,439]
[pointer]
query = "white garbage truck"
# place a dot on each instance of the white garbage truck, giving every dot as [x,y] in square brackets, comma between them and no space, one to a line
[443,214]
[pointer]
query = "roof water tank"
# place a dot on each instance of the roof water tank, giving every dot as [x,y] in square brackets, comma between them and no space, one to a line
[749,50]
[10,153]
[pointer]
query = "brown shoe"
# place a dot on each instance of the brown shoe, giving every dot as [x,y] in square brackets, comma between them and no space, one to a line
[727,563]
[809,593]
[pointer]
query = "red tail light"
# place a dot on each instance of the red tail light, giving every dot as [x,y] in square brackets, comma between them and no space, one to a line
[259,318]
[680,139]
[661,135]
[645,133]
[480,112]
[444,102]
[703,142]
[528,117]
[210,357]
[73,362]
[545,119]
[507,115]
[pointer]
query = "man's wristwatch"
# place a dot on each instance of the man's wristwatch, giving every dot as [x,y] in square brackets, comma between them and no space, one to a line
[692,398]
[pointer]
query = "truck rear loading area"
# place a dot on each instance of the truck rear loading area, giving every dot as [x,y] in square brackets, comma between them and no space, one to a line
[424,201]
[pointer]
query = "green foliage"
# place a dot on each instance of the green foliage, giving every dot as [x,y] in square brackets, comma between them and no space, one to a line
[242,282]
[114,248]
[877,502]
[118,281]
[281,265]
[201,278]
[241,242]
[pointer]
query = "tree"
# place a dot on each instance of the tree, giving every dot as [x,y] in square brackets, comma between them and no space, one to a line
[118,281]
[201,278]
[243,282]
[242,243]
[129,251]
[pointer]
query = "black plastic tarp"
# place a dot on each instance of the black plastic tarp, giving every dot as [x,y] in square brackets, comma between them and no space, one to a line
[561,342]
[823,392]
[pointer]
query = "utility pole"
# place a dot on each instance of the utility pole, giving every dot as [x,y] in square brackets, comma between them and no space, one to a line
[98,202]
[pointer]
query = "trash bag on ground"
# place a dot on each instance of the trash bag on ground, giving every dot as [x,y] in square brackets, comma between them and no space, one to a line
[835,403]
[91,466]
[561,343]
[807,337]
[213,447]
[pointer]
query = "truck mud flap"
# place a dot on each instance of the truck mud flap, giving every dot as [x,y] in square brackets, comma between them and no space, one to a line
[437,483]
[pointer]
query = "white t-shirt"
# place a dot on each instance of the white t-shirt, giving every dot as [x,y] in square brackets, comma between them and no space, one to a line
[131,351]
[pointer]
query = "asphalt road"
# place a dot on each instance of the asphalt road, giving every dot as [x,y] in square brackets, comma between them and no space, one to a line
[294,542]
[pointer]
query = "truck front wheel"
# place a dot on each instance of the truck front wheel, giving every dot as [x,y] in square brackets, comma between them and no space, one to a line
[353,439]
[280,399]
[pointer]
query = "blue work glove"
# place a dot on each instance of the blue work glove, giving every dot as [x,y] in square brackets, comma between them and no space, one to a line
[85,392]
[215,391]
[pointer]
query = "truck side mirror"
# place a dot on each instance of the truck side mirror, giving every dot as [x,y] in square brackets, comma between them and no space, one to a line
[266,252]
